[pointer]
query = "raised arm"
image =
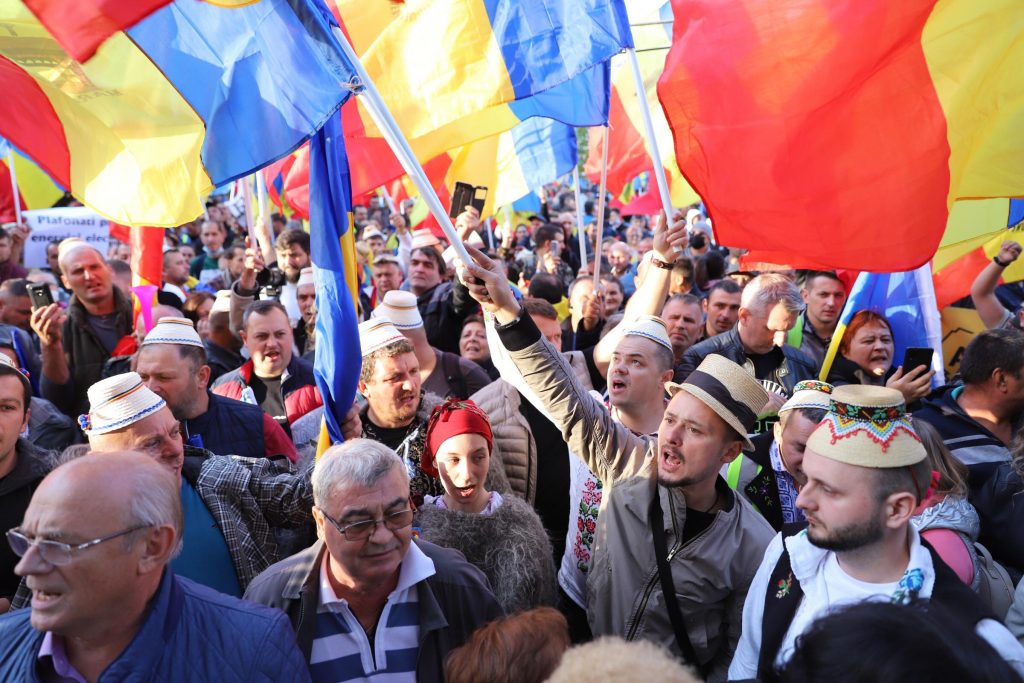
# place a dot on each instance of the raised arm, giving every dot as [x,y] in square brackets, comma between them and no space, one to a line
[983,290]
[649,297]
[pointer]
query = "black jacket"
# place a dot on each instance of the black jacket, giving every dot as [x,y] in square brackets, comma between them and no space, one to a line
[763,490]
[452,603]
[795,366]
[444,308]
[16,491]
[86,355]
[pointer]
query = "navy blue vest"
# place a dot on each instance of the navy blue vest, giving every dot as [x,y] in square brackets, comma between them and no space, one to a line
[228,427]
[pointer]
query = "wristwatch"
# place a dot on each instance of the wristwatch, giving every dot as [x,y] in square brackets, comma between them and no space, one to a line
[500,327]
[995,260]
[658,263]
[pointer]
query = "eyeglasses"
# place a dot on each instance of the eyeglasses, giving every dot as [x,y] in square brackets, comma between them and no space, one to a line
[360,531]
[55,552]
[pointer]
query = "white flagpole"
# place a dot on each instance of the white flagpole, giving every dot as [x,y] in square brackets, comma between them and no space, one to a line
[264,203]
[14,186]
[599,238]
[400,146]
[580,232]
[247,205]
[652,145]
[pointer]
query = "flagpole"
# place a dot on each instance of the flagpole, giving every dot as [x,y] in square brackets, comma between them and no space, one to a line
[247,204]
[400,146]
[599,237]
[580,232]
[14,186]
[264,203]
[652,145]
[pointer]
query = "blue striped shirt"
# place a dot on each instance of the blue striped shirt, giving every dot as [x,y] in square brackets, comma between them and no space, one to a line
[341,649]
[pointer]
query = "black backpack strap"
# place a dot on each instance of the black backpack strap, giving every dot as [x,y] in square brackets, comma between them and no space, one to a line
[668,589]
[781,600]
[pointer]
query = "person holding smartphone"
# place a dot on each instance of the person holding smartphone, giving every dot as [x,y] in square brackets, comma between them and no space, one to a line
[866,357]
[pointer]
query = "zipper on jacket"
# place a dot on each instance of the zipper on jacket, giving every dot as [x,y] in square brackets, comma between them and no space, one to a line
[654,579]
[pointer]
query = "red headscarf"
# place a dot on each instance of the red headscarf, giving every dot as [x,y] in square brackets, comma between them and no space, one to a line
[451,418]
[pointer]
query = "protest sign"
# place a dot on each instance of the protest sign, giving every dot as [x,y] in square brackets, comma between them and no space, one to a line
[58,224]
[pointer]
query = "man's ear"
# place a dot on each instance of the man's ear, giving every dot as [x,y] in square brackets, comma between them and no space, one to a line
[743,316]
[732,451]
[158,545]
[242,335]
[203,376]
[899,508]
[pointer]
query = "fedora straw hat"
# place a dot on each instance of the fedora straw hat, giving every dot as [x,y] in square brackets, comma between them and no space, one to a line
[377,333]
[729,390]
[400,308]
[116,402]
[173,331]
[867,426]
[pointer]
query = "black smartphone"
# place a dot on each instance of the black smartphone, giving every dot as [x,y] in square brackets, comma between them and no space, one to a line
[467,195]
[916,356]
[271,292]
[40,295]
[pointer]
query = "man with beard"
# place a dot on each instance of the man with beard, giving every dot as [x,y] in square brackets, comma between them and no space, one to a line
[659,493]
[292,250]
[172,363]
[867,471]
[825,295]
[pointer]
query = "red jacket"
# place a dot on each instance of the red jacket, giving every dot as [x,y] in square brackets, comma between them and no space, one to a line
[298,387]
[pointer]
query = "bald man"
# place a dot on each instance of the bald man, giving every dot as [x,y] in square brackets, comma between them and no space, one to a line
[75,344]
[94,546]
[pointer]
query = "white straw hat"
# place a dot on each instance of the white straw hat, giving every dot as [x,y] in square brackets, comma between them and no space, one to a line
[400,308]
[651,327]
[305,277]
[377,333]
[173,331]
[424,238]
[373,232]
[116,402]
[222,304]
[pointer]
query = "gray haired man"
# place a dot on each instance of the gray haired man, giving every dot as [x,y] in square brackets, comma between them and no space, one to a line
[366,598]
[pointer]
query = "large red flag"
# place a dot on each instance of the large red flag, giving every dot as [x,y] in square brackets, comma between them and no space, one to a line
[839,132]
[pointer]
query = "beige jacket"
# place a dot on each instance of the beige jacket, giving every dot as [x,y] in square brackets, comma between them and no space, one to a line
[513,439]
[711,572]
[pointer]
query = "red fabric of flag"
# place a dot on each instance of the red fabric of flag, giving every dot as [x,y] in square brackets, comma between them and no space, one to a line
[81,26]
[7,212]
[811,127]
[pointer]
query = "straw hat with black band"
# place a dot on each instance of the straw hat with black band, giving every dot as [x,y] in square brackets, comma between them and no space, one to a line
[733,393]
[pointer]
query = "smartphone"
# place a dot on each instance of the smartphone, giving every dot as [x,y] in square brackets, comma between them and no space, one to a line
[40,295]
[916,356]
[555,247]
[467,195]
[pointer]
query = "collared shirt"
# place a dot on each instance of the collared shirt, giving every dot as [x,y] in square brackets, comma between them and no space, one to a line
[54,665]
[787,487]
[341,648]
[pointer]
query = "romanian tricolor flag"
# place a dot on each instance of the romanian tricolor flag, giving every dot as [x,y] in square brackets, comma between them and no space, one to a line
[465,70]
[336,364]
[190,97]
[629,150]
[841,132]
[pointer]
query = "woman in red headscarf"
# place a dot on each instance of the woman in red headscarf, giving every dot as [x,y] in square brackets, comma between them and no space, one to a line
[502,535]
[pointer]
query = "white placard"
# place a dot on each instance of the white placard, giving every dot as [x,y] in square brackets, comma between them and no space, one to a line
[58,224]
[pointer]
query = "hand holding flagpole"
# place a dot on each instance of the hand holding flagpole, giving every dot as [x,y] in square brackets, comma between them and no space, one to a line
[580,232]
[599,237]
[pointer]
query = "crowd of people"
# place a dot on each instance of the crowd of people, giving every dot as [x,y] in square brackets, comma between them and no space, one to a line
[547,474]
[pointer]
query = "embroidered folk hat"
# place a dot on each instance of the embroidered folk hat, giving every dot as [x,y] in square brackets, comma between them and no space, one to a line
[809,394]
[116,402]
[377,333]
[729,390]
[652,328]
[9,367]
[400,308]
[867,426]
[173,331]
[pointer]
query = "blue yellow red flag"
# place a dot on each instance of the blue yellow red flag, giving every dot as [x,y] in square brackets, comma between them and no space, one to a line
[191,97]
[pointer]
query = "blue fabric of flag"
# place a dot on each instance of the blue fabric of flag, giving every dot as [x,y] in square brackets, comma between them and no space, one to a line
[583,100]
[1016,212]
[546,150]
[337,359]
[263,77]
[547,42]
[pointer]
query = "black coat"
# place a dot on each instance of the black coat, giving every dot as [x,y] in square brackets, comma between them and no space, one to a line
[795,366]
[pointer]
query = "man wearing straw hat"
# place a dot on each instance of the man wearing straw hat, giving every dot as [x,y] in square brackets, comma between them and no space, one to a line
[230,504]
[172,362]
[671,537]
[867,471]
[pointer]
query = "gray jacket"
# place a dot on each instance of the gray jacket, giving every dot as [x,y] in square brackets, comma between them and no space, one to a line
[711,572]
